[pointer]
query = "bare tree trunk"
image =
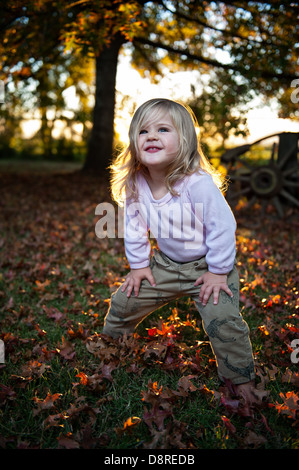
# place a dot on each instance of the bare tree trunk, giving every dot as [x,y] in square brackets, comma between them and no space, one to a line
[101,140]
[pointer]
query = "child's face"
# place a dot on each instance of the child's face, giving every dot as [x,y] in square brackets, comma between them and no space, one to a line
[158,142]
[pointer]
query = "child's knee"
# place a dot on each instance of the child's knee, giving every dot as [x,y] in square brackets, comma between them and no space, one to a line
[117,327]
[121,305]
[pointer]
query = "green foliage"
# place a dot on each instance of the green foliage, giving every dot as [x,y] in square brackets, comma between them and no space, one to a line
[221,107]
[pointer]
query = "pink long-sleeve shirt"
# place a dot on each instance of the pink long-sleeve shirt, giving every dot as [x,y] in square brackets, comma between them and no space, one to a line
[196,223]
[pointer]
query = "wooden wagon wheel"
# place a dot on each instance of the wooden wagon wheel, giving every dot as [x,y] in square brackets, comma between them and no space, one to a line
[272,180]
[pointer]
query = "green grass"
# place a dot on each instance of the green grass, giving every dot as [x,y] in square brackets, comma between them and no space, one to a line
[55,283]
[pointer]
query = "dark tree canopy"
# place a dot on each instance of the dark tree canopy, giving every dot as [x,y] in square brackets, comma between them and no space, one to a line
[247,46]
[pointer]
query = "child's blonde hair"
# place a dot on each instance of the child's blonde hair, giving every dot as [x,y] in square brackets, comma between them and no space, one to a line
[189,159]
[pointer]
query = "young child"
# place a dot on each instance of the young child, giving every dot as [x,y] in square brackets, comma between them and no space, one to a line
[168,187]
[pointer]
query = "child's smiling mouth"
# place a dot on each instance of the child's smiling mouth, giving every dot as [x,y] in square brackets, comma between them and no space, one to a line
[152,149]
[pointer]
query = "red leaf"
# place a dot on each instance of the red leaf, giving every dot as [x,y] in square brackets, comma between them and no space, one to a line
[152,332]
[45,404]
[265,422]
[6,393]
[231,428]
[106,371]
[83,378]
[289,406]
[66,350]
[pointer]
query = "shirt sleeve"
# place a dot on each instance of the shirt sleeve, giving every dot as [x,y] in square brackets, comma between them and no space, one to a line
[219,225]
[137,244]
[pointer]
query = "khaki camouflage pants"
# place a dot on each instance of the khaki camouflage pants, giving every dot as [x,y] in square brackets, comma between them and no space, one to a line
[228,332]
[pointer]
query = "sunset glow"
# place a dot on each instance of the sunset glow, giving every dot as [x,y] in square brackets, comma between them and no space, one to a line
[135,90]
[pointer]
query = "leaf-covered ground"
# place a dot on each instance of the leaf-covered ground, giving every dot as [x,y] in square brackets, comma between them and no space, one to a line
[65,385]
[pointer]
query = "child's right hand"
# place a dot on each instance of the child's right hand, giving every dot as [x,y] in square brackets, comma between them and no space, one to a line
[134,278]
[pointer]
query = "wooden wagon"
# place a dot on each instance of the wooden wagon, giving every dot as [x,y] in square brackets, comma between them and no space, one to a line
[264,172]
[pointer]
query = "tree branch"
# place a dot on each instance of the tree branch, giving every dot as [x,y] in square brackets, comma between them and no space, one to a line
[232,34]
[214,63]
[285,3]
[225,32]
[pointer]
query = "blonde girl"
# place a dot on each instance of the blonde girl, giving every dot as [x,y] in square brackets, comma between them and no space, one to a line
[189,158]
[169,188]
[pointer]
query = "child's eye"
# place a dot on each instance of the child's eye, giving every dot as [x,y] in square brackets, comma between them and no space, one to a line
[163,129]
[143,131]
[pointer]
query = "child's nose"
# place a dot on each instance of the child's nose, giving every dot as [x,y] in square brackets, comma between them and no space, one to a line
[152,135]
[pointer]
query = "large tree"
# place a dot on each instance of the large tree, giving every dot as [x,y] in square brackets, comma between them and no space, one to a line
[251,45]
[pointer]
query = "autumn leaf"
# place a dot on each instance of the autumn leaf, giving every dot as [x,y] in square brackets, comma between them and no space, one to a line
[102,348]
[54,313]
[40,331]
[10,304]
[165,330]
[265,422]
[152,332]
[155,351]
[33,369]
[185,384]
[83,378]
[129,425]
[155,417]
[45,404]
[231,428]
[54,420]
[95,344]
[68,442]
[206,391]
[40,286]
[196,362]
[66,350]
[231,404]
[106,371]
[253,440]
[291,377]
[80,333]
[272,372]
[6,393]
[290,404]
[54,298]
[131,422]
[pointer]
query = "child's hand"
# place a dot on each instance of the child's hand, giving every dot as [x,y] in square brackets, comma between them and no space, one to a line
[134,278]
[212,283]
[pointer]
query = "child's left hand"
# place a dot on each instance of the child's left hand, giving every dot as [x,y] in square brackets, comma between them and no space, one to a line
[212,283]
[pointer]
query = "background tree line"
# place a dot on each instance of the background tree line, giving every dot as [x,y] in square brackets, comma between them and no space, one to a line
[241,50]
